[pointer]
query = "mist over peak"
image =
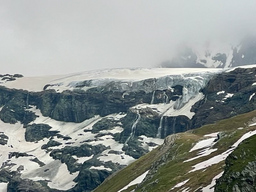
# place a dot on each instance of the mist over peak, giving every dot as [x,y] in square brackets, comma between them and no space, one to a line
[217,56]
[59,37]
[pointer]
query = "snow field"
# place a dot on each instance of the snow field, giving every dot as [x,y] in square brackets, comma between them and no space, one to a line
[17,143]
[67,82]
[3,187]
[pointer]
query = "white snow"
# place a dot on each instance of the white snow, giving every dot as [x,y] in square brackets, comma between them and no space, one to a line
[168,109]
[3,187]
[101,168]
[31,83]
[202,154]
[63,179]
[55,169]
[210,187]
[252,124]
[82,159]
[251,96]
[122,158]
[228,95]
[221,157]
[215,134]
[205,145]
[220,92]
[64,82]
[245,136]
[186,109]
[180,184]
[144,140]
[243,67]
[138,180]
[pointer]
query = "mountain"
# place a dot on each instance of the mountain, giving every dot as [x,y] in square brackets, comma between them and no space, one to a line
[71,132]
[215,56]
[195,159]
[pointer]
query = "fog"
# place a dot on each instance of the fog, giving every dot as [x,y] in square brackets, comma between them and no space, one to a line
[46,37]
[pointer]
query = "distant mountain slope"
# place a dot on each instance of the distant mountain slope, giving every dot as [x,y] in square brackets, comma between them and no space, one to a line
[217,56]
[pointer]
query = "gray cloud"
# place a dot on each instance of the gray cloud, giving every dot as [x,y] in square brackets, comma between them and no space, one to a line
[62,36]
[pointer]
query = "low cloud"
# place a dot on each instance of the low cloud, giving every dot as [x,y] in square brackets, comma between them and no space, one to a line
[59,36]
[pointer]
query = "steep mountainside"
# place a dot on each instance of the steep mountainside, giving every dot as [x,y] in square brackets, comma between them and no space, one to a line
[87,126]
[193,160]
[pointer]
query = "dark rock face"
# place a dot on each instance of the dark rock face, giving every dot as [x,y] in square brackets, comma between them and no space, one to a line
[246,53]
[17,185]
[3,139]
[65,154]
[186,58]
[36,132]
[240,171]
[217,104]
[89,179]
[14,106]
[104,124]
[243,54]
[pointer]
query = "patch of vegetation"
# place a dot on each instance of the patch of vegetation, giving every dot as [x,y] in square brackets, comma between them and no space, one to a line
[240,169]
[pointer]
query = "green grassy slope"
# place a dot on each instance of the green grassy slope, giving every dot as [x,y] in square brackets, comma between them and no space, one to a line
[166,163]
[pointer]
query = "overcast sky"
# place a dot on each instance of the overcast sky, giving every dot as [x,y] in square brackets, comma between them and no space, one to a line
[43,37]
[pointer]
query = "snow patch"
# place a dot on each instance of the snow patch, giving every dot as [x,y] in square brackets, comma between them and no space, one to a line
[220,92]
[251,96]
[82,159]
[210,188]
[203,144]
[3,187]
[63,183]
[136,181]
[101,168]
[180,184]
[229,95]
[206,145]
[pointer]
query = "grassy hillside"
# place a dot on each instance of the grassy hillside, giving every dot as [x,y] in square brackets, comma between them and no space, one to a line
[240,168]
[166,163]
